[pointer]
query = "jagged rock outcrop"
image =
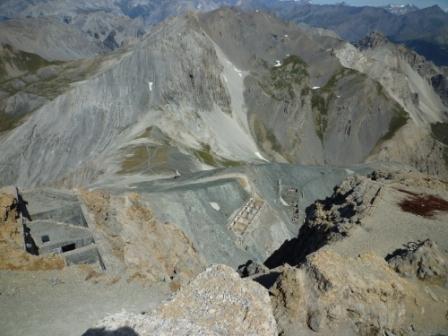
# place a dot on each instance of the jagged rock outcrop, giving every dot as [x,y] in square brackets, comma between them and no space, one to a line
[8,206]
[138,246]
[329,220]
[12,246]
[421,260]
[440,84]
[333,295]
[216,302]
[373,40]
[365,214]
[251,268]
[347,275]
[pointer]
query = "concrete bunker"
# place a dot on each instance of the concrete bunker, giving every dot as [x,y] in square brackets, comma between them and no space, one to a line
[53,223]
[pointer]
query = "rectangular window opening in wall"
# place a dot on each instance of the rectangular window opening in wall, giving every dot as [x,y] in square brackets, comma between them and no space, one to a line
[69,247]
[45,238]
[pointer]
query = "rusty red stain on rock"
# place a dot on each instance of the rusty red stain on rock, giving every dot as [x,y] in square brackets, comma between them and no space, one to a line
[424,205]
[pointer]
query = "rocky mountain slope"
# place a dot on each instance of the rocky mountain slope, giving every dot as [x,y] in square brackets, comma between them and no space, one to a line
[48,38]
[287,94]
[415,83]
[220,141]
[153,11]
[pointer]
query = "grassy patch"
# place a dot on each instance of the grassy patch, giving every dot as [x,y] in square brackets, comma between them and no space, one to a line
[265,136]
[137,158]
[445,156]
[440,132]
[229,163]
[321,98]
[206,156]
[340,74]
[320,104]
[8,122]
[399,119]
[284,78]
[292,71]
[380,90]
[20,60]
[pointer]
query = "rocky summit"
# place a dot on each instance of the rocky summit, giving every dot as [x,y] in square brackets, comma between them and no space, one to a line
[206,168]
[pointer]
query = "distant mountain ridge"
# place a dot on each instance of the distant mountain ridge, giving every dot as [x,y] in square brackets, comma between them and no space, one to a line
[424,30]
[401,9]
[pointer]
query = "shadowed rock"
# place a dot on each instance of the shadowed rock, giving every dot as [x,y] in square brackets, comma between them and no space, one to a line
[423,260]
[125,331]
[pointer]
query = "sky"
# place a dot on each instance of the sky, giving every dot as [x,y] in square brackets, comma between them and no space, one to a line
[419,3]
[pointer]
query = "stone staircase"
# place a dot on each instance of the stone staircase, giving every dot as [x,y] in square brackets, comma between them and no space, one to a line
[246,215]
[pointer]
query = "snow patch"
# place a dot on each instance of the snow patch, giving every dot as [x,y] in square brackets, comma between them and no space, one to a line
[150,85]
[215,206]
[283,202]
[316,87]
[349,171]
[238,71]
[277,63]
[258,154]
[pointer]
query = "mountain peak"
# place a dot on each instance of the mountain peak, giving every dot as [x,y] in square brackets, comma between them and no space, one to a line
[401,9]
[373,40]
[433,10]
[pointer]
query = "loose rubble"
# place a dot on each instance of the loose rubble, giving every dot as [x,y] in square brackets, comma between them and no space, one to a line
[216,302]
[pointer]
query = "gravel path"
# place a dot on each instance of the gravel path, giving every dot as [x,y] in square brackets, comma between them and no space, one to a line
[64,303]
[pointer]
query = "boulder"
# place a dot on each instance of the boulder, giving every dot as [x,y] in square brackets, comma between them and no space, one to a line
[421,260]
[216,302]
